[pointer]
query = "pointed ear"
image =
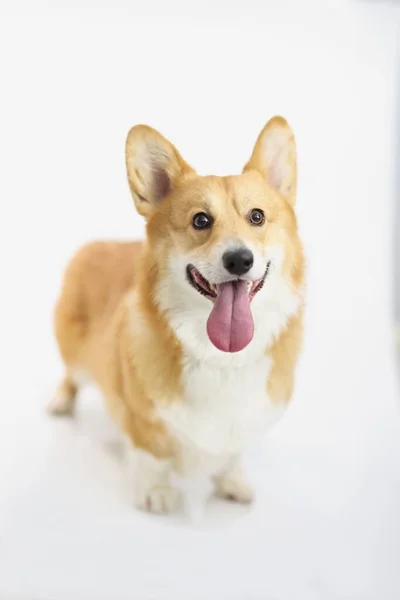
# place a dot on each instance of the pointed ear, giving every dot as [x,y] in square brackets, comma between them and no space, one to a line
[153,165]
[274,156]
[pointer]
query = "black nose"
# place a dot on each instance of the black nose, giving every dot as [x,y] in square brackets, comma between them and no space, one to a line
[238,262]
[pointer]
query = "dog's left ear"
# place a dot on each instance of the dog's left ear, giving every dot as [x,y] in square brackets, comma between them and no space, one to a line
[154,167]
[274,156]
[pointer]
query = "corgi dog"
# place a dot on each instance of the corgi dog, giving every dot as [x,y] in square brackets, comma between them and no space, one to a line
[193,334]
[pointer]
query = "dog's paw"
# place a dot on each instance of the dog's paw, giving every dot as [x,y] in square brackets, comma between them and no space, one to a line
[159,499]
[235,487]
[62,404]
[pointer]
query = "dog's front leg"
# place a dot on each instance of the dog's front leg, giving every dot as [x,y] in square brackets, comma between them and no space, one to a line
[149,464]
[232,484]
[149,479]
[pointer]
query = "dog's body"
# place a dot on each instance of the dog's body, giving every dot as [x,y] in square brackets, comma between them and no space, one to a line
[191,389]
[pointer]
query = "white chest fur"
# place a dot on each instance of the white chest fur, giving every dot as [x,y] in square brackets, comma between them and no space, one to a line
[225,409]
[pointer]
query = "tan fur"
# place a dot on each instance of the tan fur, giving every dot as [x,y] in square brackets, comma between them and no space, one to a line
[92,329]
[107,321]
[284,353]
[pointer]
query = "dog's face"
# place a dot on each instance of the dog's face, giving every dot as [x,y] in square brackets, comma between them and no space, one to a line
[219,238]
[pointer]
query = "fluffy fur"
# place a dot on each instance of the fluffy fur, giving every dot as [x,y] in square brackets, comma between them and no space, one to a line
[128,318]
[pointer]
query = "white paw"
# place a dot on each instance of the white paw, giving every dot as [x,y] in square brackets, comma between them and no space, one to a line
[62,404]
[234,487]
[159,499]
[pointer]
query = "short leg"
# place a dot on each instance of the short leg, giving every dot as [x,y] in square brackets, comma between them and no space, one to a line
[63,402]
[232,484]
[150,479]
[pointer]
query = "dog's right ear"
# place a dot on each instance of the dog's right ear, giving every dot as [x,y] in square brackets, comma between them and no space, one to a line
[154,167]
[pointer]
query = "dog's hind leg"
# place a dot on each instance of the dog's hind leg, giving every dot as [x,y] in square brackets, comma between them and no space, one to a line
[64,400]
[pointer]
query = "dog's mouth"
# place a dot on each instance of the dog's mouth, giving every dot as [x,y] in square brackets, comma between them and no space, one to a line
[210,290]
[230,325]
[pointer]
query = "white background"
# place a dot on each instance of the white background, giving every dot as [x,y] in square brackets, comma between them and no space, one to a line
[74,78]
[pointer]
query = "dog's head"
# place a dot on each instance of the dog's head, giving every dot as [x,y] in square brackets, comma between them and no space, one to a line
[220,241]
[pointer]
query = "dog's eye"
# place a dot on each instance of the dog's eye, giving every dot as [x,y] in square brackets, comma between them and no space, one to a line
[202,221]
[256,217]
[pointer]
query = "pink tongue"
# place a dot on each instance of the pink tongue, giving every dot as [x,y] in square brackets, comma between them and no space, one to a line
[230,325]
